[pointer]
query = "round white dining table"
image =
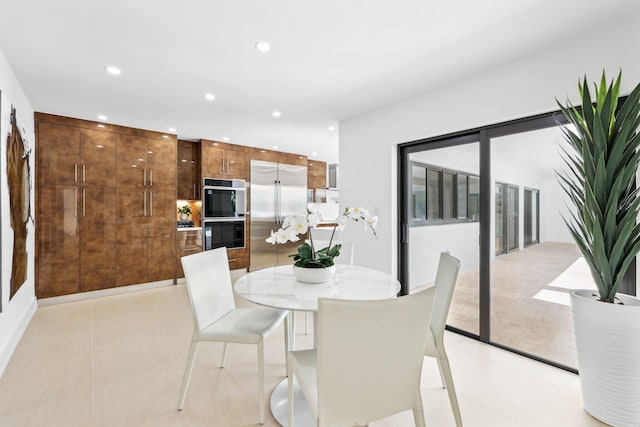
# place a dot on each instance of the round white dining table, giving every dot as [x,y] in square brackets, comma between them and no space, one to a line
[277,287]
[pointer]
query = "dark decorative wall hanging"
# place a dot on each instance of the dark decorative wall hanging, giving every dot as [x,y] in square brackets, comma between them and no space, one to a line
[19,177]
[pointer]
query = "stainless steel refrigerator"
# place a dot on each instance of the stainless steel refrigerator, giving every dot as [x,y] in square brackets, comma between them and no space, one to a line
[277,190]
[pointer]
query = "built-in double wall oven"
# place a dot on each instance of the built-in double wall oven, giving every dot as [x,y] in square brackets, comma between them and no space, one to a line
[224,204]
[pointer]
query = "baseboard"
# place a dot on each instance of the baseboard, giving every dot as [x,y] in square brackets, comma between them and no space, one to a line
[103,293]
[14,339]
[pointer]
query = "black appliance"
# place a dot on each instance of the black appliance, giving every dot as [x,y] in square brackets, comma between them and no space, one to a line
[223,198]
[224,205]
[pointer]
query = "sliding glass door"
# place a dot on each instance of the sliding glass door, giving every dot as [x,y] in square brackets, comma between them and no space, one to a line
[462,194]
[443,215]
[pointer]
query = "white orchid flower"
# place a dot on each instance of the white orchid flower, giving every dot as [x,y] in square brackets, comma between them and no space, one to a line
[314,219]
[370,221]
[342,222]
[357,213]
[299,224]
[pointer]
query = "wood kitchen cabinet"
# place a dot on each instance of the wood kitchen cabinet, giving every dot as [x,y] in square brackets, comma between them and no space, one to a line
[75,220]
[94,184]
[188,241]
[316,174]
[220,160]
[189,184]
[145,209]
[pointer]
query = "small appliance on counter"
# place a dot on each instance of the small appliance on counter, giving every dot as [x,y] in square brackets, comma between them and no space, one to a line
[185,224]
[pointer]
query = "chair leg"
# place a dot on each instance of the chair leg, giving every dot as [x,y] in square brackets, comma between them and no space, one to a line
[444,384]
[261,380]
[446,372]
[187,374]
[418,411]
[224,354]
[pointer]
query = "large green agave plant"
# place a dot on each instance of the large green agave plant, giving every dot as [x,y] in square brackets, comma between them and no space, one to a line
[600,180]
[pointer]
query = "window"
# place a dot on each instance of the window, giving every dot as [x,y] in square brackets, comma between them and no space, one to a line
[443,196]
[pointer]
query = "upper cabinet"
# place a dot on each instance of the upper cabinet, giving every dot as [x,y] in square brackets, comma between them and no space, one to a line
[316,174]
[189,185]
[220,160]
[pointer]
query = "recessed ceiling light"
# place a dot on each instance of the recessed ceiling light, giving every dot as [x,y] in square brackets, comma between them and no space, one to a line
[209,96]
[275,147]
[173,130]
[263,46]
[314,154]
[332,128]
[102,117]
[276,114]
[113,70]
[225,138]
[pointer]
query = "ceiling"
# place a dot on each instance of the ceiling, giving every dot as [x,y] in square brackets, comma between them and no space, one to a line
[330,60]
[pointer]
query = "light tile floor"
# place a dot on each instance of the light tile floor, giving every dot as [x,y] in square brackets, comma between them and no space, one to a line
[119,360]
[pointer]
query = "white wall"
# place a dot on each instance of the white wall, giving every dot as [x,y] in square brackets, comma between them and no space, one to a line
[17,313]
[368,142]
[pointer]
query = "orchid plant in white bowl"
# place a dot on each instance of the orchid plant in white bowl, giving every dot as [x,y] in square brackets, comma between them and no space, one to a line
[308,256]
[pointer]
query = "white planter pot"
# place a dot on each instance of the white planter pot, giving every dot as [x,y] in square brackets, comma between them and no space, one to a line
[314,275]
[608,345]
[184,217]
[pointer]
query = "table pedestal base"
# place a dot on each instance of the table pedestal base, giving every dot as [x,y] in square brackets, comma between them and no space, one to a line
[279,406]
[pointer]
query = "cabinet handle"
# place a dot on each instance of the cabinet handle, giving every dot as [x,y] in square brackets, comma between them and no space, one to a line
[84,202]
[75,212]
[84,172]
[144,180]
[151,177]
[150,203]
[194,191]
[221,165]
[75,172]
[144,201]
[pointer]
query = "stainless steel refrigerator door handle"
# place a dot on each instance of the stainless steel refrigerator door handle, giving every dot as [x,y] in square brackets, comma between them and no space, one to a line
[144,198]
[275,198]
[84,202]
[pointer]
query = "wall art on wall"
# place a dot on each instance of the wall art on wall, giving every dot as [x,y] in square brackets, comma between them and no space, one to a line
[19,182]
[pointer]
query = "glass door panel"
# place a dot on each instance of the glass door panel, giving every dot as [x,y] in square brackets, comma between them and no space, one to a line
[530,287]
[444,216]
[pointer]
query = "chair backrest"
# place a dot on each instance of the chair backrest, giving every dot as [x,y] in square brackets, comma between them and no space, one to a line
[370,356]
[445,283]
[209,284]
[346,250]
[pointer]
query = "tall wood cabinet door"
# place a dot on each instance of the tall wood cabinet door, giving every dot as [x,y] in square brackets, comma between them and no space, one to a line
[212,160]
[98,242]
[58,154]
[98,158]
[162,157]
[131,236]
[132,161]
[186,166]
[58,240]
[235,164]
[162,235]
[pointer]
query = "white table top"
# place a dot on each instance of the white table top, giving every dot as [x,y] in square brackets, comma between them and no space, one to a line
[277,287]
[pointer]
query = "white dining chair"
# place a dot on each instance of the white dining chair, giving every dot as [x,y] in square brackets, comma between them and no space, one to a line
[368,362]
[345,258]
[445,282]
[217,319]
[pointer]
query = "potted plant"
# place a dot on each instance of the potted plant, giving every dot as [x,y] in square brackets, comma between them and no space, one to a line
[313,265]
[184,211]
[600,181]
